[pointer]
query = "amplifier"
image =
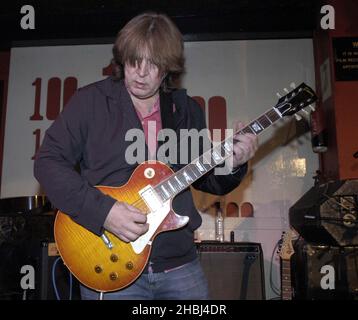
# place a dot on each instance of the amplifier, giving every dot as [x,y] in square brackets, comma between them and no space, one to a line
[234,270]
[322,272]
[53,275]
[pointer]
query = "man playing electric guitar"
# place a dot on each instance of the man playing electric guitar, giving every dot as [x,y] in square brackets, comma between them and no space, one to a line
[91,131]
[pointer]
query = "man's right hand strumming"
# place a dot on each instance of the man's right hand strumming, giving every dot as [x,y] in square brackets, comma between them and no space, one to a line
[126,222]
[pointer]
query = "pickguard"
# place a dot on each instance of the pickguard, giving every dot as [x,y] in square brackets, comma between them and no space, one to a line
[154,219]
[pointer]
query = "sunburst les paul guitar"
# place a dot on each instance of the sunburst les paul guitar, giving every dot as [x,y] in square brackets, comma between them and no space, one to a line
[106,263]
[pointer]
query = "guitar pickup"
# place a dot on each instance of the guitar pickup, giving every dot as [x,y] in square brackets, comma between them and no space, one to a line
[151,198]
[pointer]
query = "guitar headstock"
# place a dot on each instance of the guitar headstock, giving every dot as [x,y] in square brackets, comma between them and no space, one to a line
[295,100]
[286,250]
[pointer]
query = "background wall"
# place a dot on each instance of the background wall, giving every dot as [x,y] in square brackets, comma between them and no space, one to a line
[243,76]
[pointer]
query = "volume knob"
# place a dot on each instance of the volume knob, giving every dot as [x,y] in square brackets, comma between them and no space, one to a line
[114,257]
[113,276]
[98,269]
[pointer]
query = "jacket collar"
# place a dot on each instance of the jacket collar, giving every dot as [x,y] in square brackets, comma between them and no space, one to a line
[171,116]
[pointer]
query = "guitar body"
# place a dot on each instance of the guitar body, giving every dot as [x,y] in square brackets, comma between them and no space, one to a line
[87,256]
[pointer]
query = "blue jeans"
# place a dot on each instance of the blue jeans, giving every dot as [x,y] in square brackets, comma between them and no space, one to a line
[186,282]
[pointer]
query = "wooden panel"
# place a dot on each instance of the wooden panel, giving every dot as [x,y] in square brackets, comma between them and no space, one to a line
[347,128]
[341,107]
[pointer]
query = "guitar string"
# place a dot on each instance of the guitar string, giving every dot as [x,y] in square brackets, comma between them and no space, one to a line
[139,202]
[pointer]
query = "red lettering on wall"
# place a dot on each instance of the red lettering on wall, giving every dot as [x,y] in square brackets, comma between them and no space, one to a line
[53,106]
[69,88]
[37,134]
[201,102]
[217,114]
[36,115]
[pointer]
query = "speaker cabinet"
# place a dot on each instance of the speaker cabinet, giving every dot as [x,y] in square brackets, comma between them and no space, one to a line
[20,245]
[48,274]
[53,276]
[310,274]
[26,239]
[234,270]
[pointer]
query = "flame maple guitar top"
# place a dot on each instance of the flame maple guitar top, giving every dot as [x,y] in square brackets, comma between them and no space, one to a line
[86,255]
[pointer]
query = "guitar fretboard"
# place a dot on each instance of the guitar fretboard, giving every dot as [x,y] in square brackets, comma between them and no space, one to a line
[286,287]
[184,177]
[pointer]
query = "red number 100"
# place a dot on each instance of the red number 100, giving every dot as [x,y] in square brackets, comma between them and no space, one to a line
[53,104]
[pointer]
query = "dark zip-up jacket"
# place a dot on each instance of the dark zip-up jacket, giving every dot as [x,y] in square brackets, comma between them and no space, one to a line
[91,132]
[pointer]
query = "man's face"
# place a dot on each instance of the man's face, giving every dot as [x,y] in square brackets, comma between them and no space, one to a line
[142,80]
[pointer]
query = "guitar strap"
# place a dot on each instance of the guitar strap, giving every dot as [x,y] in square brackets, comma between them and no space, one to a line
[171,114]
[166,110]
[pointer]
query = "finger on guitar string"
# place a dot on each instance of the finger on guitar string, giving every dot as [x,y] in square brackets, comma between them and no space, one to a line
[244,148]
[249,139]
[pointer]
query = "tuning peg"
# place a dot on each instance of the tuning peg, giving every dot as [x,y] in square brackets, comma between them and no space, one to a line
[285,89]
[278,94]
[293,85]
[298,117]
[305,111]
[312,107]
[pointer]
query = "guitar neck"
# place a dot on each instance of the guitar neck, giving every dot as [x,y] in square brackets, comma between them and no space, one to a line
[286,287]
[289,104]
[210,159]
